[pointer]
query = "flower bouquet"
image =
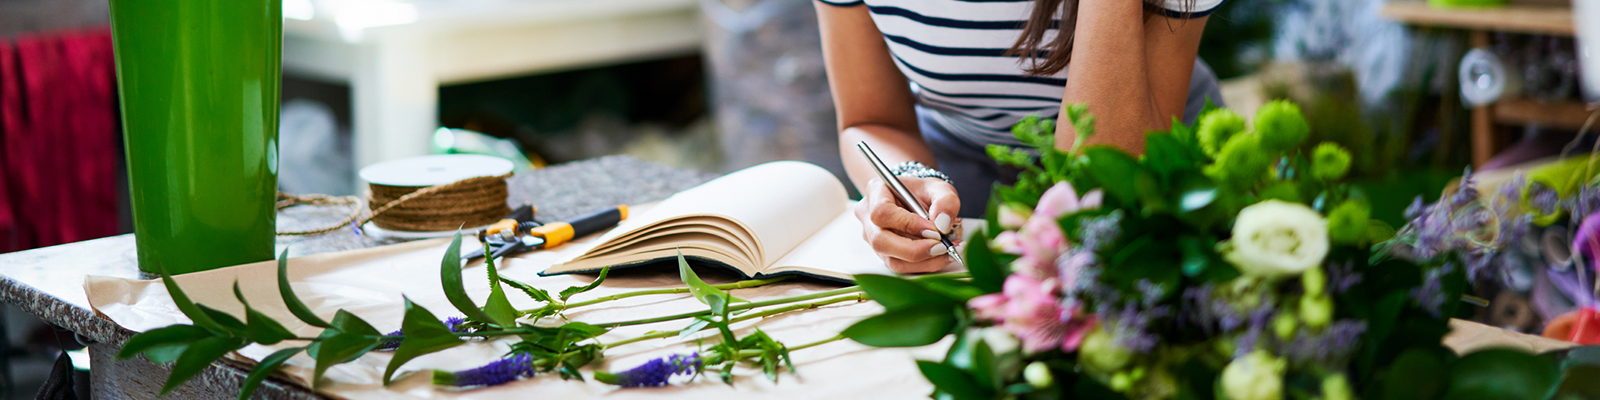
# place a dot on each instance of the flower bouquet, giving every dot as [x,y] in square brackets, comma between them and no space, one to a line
[1228,262]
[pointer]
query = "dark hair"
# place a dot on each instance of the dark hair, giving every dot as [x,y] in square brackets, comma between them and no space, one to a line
[1052,58]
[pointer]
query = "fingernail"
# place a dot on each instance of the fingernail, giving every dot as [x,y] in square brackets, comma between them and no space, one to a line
[938,250]
[930,234]
[942,222]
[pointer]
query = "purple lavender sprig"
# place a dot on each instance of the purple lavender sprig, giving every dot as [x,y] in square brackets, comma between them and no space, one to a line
[455,324]
[512,367]
[1331,346]
[655,372]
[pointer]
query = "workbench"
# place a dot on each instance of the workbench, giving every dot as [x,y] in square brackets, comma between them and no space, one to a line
[48,282]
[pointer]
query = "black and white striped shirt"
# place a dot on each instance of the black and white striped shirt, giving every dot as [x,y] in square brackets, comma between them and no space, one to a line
[953,53]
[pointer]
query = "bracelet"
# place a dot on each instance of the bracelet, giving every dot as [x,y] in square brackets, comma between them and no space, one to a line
[918,170]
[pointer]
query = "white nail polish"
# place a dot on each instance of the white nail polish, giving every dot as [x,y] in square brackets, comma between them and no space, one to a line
[942,222]
[930,234]
[938,250]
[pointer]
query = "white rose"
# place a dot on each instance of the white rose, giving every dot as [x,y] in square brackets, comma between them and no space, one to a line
[1256,376]
[1277,239]
[1000,341]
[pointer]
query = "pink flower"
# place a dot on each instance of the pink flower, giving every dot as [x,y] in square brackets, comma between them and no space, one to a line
[1587,240]
[1029,309]
[1061,200]
[1013,215]
[1008,242]
[1042,242]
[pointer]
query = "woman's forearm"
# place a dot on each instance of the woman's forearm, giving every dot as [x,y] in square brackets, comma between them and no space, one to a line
[1110,73]
[893,145]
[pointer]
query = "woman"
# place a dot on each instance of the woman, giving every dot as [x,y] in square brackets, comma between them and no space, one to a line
[975,68]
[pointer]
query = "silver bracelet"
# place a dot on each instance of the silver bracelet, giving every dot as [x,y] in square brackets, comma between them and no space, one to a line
[918,170]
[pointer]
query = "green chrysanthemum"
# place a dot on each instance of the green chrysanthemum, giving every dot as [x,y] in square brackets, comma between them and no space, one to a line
[1281,126]
[1347,223]
[1329,161]
[1242,162]
[1216,127]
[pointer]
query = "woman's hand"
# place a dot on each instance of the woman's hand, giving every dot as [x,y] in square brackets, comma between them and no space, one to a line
[905,241]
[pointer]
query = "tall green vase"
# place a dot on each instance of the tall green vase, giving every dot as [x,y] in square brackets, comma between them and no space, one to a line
[199,81]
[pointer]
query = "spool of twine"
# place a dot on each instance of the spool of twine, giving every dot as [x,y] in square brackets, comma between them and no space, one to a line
[469,202]
[406,201]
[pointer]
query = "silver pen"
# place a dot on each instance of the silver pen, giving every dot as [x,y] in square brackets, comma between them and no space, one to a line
[905,197]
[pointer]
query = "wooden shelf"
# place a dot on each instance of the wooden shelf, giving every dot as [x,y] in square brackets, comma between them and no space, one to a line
[1559,115]
[1538,20]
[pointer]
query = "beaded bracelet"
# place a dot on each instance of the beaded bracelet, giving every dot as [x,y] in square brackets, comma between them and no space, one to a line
[918,170]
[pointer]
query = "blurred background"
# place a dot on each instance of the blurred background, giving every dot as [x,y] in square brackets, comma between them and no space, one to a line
[1417,91]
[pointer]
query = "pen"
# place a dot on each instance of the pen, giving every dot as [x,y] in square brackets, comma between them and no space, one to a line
[905,196]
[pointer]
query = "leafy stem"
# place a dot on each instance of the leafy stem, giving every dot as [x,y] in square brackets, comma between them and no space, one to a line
[746,317]
[758,304]
[736,285]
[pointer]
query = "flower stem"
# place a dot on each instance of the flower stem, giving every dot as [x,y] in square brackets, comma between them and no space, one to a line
[785,300]
[736,285]
[746,317]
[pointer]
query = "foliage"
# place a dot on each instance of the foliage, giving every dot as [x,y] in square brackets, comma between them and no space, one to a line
[1244,273]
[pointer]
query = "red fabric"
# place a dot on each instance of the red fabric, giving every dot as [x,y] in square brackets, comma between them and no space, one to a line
[58,129]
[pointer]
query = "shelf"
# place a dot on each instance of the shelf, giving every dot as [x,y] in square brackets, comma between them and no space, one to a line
[1559,115]
[1538,20]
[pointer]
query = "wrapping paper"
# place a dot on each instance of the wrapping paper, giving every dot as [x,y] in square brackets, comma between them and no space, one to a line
[370,282]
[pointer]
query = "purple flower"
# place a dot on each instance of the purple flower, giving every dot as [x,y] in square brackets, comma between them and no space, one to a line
[452,323]
[1097,232]
[1430,294]
[655,372]
[1130,327]
[1587,239]
[1259,323]
[512,367]
[1544,200]
[1333,345]
[1341,277]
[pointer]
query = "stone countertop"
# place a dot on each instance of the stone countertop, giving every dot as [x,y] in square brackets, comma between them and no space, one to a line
[48,282]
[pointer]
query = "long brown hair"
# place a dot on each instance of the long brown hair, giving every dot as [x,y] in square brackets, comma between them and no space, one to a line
[1043,60]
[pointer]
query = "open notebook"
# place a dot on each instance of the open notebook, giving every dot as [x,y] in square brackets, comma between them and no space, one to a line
[779,218]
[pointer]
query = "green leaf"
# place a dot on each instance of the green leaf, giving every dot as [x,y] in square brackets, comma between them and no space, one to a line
[349,338]
[700,289]
[162,354]
[569,292]
[291,301]
[200,318]
[424,334]
[498,307]
[983,367]
[1165,154]
[895,293]
[906,327]
[164,336]
[197,357]
[958,290]
[264,369]
[1416,374]
[959,384]
[981,263]
[454,289]
[259,327]
[1197,198]
[1116,171]
[535,293]
[231,325]
[1502,374]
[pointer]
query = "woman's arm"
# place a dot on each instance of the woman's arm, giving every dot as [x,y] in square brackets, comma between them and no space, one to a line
[872,97]
[1132,68]
[875,105]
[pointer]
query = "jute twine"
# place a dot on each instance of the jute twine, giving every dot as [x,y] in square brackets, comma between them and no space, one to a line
[468,202]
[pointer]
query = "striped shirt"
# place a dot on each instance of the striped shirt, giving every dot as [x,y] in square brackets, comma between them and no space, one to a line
[953,53]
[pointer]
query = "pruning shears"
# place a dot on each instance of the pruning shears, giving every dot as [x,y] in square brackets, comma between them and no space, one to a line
[520,233]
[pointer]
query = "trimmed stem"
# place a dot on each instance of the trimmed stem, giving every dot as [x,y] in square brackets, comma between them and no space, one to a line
[725,286]
[747,317]
[786,300]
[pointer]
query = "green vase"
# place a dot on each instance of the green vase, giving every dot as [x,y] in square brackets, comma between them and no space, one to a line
[199,82]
